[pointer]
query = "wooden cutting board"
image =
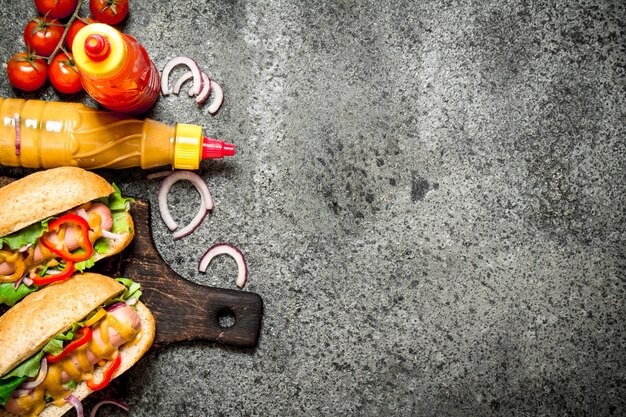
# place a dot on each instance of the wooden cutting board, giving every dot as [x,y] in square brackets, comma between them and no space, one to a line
[183,310]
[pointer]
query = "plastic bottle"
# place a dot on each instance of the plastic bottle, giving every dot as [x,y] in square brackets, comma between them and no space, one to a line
[39,134]
[115,69]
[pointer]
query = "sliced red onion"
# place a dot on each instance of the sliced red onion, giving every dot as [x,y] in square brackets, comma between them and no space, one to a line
[226,249]
[27,281]
[21,392]
[182,80]
[43,371]
[158,175]
[193,224]
[110,235]
[206,89]
[18,135]
[73,400]
[131,301]
[115,306]
[181,60]
[25,248]
[218,99]
[206,202]
[120,404]
[83,213]
[17,283]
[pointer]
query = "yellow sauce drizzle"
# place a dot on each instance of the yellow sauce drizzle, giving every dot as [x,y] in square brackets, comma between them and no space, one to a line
[76,365]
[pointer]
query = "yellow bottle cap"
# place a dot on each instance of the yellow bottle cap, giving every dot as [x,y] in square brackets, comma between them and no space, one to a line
[99,50]
[187,146]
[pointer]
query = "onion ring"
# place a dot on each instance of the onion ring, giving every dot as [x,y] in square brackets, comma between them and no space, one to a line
[21,392]
[193,224]
[181,60]
[18,282]
[73,400]
[25,248]
[110,235]
[218,99]
[226,249]
[182,80]
[43,371]
[206,202]
[158,175]
[115,306]
[96,407]
[83,213]
[206,89]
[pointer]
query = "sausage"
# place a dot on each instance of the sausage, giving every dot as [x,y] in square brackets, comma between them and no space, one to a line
[105,214]
[6,268]
[124,314]
[71,238]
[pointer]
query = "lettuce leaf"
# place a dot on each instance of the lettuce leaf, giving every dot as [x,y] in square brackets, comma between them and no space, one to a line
[27,235]
[133,289]
[30,367]
[119,206]
[8,386]
[10,296]
[27,369]
[100,246]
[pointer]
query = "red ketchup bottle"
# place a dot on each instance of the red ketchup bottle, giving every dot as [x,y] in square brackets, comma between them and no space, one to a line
[115,69]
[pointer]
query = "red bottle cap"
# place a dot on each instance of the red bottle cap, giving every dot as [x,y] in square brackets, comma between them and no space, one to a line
[97,47]
[213,148]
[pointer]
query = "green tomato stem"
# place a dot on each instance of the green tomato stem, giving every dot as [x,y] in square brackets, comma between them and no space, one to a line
[67,28]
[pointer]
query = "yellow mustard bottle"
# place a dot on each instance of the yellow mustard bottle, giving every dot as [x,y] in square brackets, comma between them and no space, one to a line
[40,134]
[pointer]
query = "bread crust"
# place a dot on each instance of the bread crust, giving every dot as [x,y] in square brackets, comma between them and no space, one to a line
[130,353]
[53,191]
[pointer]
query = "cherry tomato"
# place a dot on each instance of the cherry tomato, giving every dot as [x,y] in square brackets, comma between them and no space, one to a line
[56,9]
[64,75]
[76,25]
[26,72]
[110,12]
[42,35]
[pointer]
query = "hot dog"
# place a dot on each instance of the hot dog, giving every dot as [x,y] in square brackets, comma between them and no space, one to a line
[108,335]
[55,222]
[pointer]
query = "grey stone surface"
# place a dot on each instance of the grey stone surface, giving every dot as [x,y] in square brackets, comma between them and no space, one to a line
[431,198]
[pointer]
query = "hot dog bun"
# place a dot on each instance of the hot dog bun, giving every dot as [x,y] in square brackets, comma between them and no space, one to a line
[27,326]
[51,192]
[47,193]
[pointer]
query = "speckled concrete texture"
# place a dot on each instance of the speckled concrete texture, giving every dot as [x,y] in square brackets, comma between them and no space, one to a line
[431,197]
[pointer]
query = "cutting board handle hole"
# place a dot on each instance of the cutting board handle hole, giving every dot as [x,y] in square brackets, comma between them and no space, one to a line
[225,318]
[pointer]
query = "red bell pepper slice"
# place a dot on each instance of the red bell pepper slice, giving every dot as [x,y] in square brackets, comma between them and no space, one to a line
[60,248]
[108,374]
[49,279]
[85,337]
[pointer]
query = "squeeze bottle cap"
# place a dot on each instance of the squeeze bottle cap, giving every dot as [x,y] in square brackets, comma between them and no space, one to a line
[214,149]
[97,47]
[99,50]
[190,147]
